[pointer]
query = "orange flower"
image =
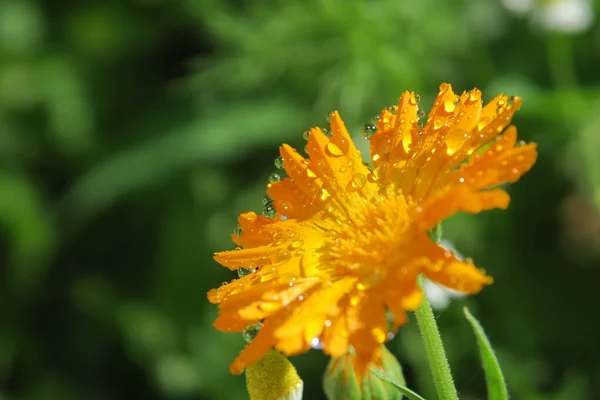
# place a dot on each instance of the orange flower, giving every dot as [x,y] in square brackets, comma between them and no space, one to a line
[347,241]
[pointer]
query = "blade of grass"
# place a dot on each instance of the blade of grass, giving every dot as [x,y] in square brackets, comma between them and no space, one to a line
[401,388]
[496,386]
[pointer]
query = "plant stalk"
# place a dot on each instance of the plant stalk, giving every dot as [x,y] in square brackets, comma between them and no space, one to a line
[434,348]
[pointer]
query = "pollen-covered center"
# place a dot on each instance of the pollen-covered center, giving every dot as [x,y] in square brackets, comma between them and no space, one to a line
[369,244]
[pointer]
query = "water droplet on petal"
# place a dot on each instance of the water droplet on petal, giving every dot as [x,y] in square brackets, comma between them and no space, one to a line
[358,181]
[214,295]
[269,211]
[310,173]
[298,243]
[251,331]
[279,162]
[274,178]
[244,271]
[333,150]
[266,200]
[449,106]
[237,231]
[474,95]
[306,135]
[316,343]
[439,122]
[368,130]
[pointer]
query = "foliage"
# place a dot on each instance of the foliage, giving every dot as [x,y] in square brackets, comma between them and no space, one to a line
[132,133]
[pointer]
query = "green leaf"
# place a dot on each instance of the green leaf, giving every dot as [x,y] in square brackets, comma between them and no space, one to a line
[436,233]
[401,388]
[496,386]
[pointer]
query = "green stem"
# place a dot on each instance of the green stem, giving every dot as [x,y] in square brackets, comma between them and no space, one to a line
[436,355]
[561,61]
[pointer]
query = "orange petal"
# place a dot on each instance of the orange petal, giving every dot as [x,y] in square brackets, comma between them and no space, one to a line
[371,329]
[453,199]
[396,136]
[291,201]
[339,165]
[253,232]
[309,319]
[447,270]
[501,163]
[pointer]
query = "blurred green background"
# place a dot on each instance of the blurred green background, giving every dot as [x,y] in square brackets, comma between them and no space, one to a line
[133,132]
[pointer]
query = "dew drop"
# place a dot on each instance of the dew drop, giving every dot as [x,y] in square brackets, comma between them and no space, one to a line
[306,135]
[298,243]
[358,181]
[274,178]
[244,271]
[316,344]
[269,211]
[439,122]
[279,162]
[368,130]
[214,295]
[266,200]
[310,173]
[237,231]
[251,331]
[500,110]
[325,194]
[327,323]
[474,95]
[449,106]
[333,150]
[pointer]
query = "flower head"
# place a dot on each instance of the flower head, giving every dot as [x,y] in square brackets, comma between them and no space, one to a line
[347,240]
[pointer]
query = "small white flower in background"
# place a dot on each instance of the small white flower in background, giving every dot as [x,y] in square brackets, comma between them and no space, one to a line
[519,6]
[561,16]
[440,296]
[564,16]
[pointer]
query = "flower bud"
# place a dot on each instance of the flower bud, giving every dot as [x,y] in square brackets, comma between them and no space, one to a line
[273,378]
[341,381]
